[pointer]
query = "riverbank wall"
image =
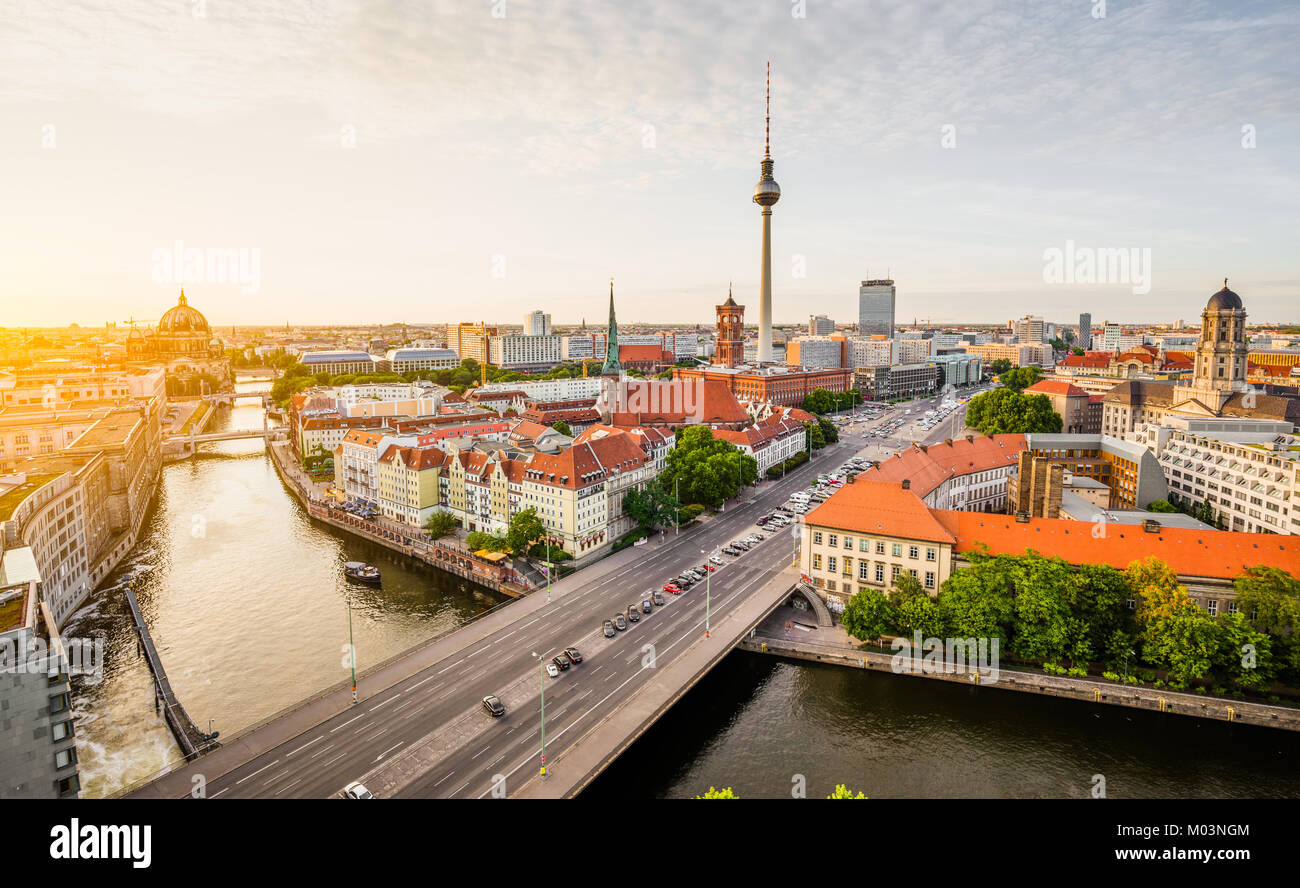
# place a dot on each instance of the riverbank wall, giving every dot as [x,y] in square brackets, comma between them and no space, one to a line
[1083,690]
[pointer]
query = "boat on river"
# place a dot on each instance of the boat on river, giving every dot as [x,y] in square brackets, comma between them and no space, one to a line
[361,572]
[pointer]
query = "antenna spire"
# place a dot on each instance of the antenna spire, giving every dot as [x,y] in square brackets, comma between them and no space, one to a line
[767,115]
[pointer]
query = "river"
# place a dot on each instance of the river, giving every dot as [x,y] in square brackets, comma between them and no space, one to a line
[246,601]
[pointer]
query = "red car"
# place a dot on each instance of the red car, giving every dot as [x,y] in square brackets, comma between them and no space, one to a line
[707,566]
[672,587]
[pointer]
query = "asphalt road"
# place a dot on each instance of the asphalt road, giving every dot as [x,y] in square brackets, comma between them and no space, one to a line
[439,711]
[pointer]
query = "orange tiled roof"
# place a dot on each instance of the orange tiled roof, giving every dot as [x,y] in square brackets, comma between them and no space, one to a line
[1057,387]
[879,507]
[927,469]
[1214,554]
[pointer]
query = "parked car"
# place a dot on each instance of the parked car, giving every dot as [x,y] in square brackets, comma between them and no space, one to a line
[552,671]
[646,606]
[707,567]
[674,589]
[494,706]
[659,599]
[620,622]
[356,791]
[609,629]
[632,614]
[714,559]
[574,655]
[561,660]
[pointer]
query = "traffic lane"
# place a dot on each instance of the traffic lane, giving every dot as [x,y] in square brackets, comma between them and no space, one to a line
[581,681]
[570,727]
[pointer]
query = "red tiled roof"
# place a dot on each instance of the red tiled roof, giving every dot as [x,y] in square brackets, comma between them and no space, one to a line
[1091,359]
[645,354]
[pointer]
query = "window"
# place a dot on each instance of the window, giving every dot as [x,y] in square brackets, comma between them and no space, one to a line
[913,552]
[1213,607]
[832,540]
[864,545]
[848,542]
[898,550]
[880,548]
[929,554]
[61,730]
[65,757]
[817,562]
[862,571]
[880,573]
[817,538]
[929,579]
[894,571]
[830,564]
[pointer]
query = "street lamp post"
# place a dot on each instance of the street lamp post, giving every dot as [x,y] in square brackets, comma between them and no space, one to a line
[541,665]
[352,654]
[677,512]
[708,589]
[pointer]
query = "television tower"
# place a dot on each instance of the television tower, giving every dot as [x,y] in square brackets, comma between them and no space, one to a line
[766,193]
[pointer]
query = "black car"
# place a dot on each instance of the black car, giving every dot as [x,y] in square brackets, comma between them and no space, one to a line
[563,661]
[494,706]
[646,606]
[632,614]
[620,622]
[684,581]
[609,629]
[573,655]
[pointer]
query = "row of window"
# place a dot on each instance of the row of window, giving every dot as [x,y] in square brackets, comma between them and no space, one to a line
[864,545]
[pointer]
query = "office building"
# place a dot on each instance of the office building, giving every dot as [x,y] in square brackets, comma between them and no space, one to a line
[820,325]
[876,304]
[537,323]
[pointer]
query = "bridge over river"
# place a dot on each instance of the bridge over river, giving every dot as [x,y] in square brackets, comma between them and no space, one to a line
[419,729]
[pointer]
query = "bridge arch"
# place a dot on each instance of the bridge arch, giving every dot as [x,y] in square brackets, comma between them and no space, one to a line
[818,607]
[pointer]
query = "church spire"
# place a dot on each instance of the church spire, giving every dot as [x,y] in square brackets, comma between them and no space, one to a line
[611,366]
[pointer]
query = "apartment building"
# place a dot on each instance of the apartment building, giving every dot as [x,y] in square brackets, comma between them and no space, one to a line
[1248,470]
[965,474]
[512,352]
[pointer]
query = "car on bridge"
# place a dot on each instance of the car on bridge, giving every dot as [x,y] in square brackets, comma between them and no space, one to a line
[673,588]
[574,655]
[356,791]
[494,706]
[609,629]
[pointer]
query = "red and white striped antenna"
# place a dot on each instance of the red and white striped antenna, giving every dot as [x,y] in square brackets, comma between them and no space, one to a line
[767,115]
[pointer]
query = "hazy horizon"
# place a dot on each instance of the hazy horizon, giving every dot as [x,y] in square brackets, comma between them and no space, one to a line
[388,163]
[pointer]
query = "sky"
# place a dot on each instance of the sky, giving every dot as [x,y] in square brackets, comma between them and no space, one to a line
[378,161]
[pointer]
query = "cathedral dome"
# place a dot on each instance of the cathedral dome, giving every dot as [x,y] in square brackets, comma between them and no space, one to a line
[1224,300]
[181,318]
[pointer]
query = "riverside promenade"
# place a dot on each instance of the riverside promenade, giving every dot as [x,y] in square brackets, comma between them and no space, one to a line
[787,634]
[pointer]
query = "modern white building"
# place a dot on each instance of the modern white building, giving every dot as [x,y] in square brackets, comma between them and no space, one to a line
[537,323]
[405,360]
[820,325]
[513,352]
[338,362]
[1247,469]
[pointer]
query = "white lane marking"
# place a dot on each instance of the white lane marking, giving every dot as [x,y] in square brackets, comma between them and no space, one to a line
[346,723]
[289,786]
[319,751]
[404,705]
[480,752]
[333,760]
[386,702]
[449,773]
[227,789]
[389,749]
[255,773]
[305,745]
[422,681]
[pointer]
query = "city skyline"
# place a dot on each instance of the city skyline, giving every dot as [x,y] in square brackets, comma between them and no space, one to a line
[554,152]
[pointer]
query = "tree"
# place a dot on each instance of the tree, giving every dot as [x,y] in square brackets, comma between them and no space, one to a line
[829,433]
[1269,599]
[1003,411]
[921,614]
[1096,594]
[819,401]
[706,469]
[1076,351]
[868,615]
[843,792]
[1161,506]
[724,793]
[816,440]
[524,530]
[1000,366]
[492,542]
[441,523]
[1020,378]
[652,506]
[563,428]
[978,602]
[1043,620]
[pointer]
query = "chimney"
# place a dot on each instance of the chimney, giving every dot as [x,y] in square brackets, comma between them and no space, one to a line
[1151,525]
[907,484]
[1022,517]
